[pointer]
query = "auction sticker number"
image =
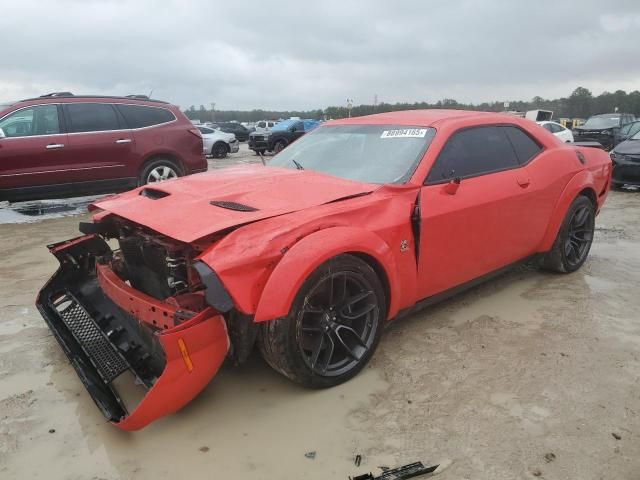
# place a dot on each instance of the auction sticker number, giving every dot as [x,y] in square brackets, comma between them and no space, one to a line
[405,133]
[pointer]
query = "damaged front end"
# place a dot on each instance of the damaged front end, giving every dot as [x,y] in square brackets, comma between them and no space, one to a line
[134,322]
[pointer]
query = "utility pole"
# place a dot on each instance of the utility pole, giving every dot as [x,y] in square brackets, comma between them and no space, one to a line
[213,111]
[375,100]
[349,105]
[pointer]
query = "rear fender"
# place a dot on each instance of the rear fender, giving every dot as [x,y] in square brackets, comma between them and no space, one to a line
[581,181]
[309,253]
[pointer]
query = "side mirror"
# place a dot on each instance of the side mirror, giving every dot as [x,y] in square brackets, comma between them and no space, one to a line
[2,135]
[452,187]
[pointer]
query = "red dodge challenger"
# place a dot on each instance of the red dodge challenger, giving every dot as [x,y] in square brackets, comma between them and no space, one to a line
[358,222]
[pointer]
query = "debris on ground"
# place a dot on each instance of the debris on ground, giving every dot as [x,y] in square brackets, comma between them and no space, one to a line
[204,449]
[358,460]
[550,457]
[52,430]
[617,436]
[536,472]
[311,454]
[407,471]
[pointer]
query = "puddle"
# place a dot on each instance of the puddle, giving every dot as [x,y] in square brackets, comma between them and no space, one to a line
[35,211]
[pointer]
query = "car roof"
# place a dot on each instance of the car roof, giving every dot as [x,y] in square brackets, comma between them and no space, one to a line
[53,98]
[609,114]
[424,118]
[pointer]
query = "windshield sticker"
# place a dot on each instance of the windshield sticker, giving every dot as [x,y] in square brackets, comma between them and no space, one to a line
[405,133]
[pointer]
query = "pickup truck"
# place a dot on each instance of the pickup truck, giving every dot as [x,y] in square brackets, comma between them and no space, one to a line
[604,129]
[281,135]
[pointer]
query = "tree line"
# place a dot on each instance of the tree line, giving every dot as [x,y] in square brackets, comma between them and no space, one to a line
[580,104]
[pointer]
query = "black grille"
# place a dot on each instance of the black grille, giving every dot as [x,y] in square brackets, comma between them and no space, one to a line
[93,341]
[233,206]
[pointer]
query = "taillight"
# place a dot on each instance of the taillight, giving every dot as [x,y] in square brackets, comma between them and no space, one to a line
[195,132]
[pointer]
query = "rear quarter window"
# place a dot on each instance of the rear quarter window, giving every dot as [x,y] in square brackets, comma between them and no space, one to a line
[525,147]
[140,116]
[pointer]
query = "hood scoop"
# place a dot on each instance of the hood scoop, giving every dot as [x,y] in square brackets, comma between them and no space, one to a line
[238,207]
[153,194]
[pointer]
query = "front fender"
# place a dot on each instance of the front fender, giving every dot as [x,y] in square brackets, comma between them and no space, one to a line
[581,181]
[309,253]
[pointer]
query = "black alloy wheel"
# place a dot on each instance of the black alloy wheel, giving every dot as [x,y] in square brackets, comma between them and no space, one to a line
[333,327]
[338,322]
[572,245]
[580,235]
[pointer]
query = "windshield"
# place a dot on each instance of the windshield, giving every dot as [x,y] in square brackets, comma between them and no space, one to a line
[285,124]
[365,153]
[636,136]
[602,122]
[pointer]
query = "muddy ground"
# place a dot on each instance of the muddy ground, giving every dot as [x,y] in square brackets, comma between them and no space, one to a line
[531,375]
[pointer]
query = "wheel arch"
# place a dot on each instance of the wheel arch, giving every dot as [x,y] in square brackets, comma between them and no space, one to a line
[162,155]
[580,184]
[315,249]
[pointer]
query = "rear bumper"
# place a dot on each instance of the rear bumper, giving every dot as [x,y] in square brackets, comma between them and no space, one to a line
[107,331]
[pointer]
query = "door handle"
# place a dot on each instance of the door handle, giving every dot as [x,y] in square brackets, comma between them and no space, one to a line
[123,140]
[53,146]
[524,182]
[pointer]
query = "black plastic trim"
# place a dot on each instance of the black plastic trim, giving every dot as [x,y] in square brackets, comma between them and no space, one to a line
[215,294]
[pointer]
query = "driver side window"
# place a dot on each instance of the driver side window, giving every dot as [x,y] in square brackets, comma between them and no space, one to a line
[27,122]
[472,152]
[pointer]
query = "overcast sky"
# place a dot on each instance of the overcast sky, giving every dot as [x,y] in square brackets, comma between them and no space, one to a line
[305,54]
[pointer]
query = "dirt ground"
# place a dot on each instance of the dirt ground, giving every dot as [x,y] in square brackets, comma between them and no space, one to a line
[532,375]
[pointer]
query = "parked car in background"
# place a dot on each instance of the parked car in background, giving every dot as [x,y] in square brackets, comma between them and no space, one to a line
[629,130]
[280,135]
[218,143]
[64,145]
[604,129]
[240,131]
[309,256]
[265,125]
[626,162]
[558,130]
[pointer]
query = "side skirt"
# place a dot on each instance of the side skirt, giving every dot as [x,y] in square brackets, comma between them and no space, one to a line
[439,297]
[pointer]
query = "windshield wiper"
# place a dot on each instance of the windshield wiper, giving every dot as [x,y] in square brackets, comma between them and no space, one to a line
[298,166]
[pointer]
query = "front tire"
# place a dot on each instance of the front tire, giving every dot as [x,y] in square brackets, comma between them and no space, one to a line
[279,146]
[333,328]
[572,245]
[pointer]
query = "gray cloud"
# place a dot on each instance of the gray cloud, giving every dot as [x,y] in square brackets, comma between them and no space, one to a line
[299,55]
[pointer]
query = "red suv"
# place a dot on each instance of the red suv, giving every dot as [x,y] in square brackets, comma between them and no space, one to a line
[64,145]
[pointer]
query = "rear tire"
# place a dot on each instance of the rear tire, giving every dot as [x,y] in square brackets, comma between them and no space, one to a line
[219,150]
[572,245]
[333,328]
[158,170]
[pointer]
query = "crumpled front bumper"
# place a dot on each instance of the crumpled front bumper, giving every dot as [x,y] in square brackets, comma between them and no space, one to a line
[111,332]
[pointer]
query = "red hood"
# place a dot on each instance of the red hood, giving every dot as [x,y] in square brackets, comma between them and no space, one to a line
[186,214]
